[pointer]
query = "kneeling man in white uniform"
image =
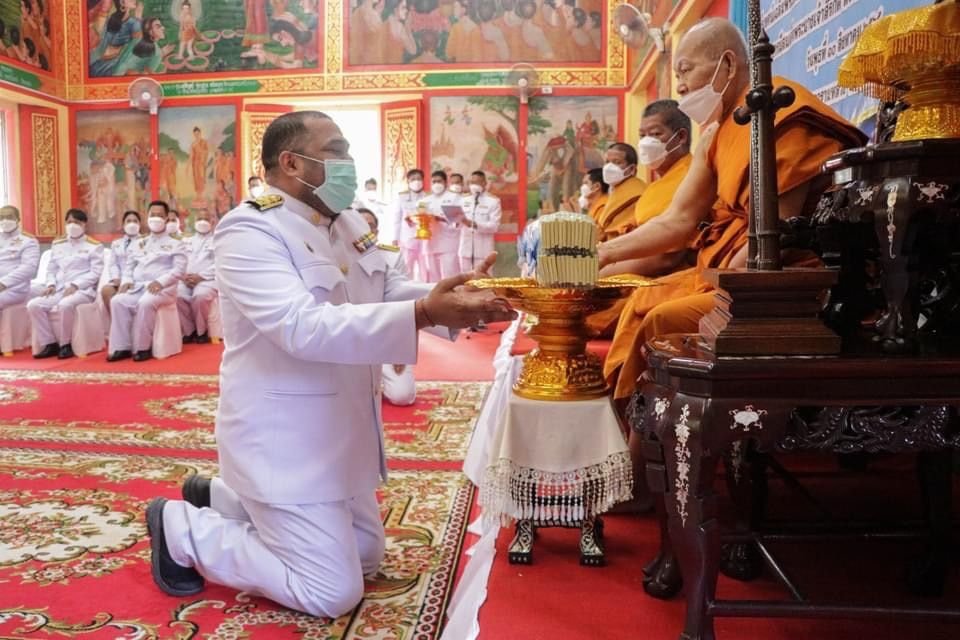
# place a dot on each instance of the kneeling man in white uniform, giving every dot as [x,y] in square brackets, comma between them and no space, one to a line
[310,313]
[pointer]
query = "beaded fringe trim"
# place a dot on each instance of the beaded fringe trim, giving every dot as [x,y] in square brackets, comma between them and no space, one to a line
[511,492]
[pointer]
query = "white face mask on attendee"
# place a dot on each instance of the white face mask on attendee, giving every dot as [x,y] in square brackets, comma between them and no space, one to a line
[8,226]
[132,228]
[703,104]
[257,191]
[476,189]
[370,195]
[456,188]
[653,151]
[415,185]
[173,227]
[613,174]
[583,202]
[585,190]
[74,230]
[202,226]
[157,225]
[437,188]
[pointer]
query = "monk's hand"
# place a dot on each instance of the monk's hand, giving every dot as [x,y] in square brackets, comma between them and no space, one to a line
[603,255]
[452,305]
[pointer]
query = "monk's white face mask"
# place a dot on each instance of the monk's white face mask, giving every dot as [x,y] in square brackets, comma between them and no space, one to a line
[653,151]
[703,104]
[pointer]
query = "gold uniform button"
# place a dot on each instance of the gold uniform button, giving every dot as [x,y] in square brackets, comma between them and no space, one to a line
[344,268]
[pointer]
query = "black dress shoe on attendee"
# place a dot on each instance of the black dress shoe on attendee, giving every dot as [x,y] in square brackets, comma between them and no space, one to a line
[190,339]
[66,351]
[196,491]
[48,351]
[171,577]
[140,356]
[119,355]
[202,339]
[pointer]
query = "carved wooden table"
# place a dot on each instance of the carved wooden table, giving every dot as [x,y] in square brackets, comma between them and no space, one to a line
[696,408]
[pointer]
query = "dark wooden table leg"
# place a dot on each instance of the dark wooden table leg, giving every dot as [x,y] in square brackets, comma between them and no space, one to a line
[693,526]
[741,560]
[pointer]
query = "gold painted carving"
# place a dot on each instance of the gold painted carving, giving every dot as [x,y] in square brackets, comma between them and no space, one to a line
[46,185]
[400,148]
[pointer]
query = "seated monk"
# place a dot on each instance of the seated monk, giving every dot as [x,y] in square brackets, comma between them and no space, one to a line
[620,172]
[593,193]
[664,148]
[711,66]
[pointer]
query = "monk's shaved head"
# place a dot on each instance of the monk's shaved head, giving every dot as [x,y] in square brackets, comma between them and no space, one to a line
[709,38]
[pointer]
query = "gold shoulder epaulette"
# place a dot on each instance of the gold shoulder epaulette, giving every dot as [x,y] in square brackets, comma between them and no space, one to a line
[388,247]
[266,202]
[92,240]
[27,234]
[187,235]
[59,240]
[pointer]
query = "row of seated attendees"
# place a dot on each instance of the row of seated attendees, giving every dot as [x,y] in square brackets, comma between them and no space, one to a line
[138,278]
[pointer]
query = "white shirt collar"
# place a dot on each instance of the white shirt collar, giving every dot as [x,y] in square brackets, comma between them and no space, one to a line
[300,208]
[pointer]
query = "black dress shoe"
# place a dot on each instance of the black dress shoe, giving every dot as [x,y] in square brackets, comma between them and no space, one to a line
[140,356]
[66,351]
[190,339]
[202,339]
[48,351]
[119,355]
[196,491]
[171,577]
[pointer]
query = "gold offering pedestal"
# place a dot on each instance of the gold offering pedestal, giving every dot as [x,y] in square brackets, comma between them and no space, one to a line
[560,368]
[424,225]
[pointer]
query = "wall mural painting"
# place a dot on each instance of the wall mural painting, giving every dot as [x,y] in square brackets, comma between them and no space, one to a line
[113,165]
[566,137]
[25,31]
[198,159]
[395,32]
[136,37]
[479,132]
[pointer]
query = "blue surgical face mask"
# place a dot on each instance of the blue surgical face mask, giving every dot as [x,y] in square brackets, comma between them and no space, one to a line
[339,186]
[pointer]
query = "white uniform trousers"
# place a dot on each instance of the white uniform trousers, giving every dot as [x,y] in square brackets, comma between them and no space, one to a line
[399,388]
[194,305]
[9,298]
[133,316]
[60,332]
[311,557]
[444,265]
[470,264]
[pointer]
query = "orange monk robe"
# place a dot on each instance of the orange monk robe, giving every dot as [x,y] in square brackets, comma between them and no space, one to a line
[464,42]
[616,218]
[652,203]
[807,133]
[366,35]
[596,207]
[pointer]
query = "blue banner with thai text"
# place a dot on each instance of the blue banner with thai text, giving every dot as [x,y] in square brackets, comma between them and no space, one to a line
[812,37]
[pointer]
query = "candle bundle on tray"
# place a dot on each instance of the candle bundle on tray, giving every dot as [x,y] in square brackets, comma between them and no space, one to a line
[567,256]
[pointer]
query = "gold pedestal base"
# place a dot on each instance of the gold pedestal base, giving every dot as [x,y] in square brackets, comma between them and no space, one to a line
[560,368]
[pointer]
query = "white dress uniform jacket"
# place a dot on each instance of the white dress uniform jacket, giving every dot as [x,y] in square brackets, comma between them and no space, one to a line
[476,244]
[19,258]
[442,247]
[73,261]
[194,304]
[157,258]
[118,256]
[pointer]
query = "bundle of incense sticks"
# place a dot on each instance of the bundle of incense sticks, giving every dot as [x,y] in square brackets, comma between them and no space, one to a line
[567,256]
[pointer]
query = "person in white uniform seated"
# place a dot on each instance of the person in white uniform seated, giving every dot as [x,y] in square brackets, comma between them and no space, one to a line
[19,259]
[197,292]
[152,271]
[132,227]
[76,263]
[255,187]
[399,386]
[310,311]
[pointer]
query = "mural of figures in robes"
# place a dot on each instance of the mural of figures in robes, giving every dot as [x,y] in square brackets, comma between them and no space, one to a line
[113,165]
[197,167]
[25,31]
[143,37]
[424,32]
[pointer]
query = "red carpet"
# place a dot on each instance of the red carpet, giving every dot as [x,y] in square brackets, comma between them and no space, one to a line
[84,446]
[563,601]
